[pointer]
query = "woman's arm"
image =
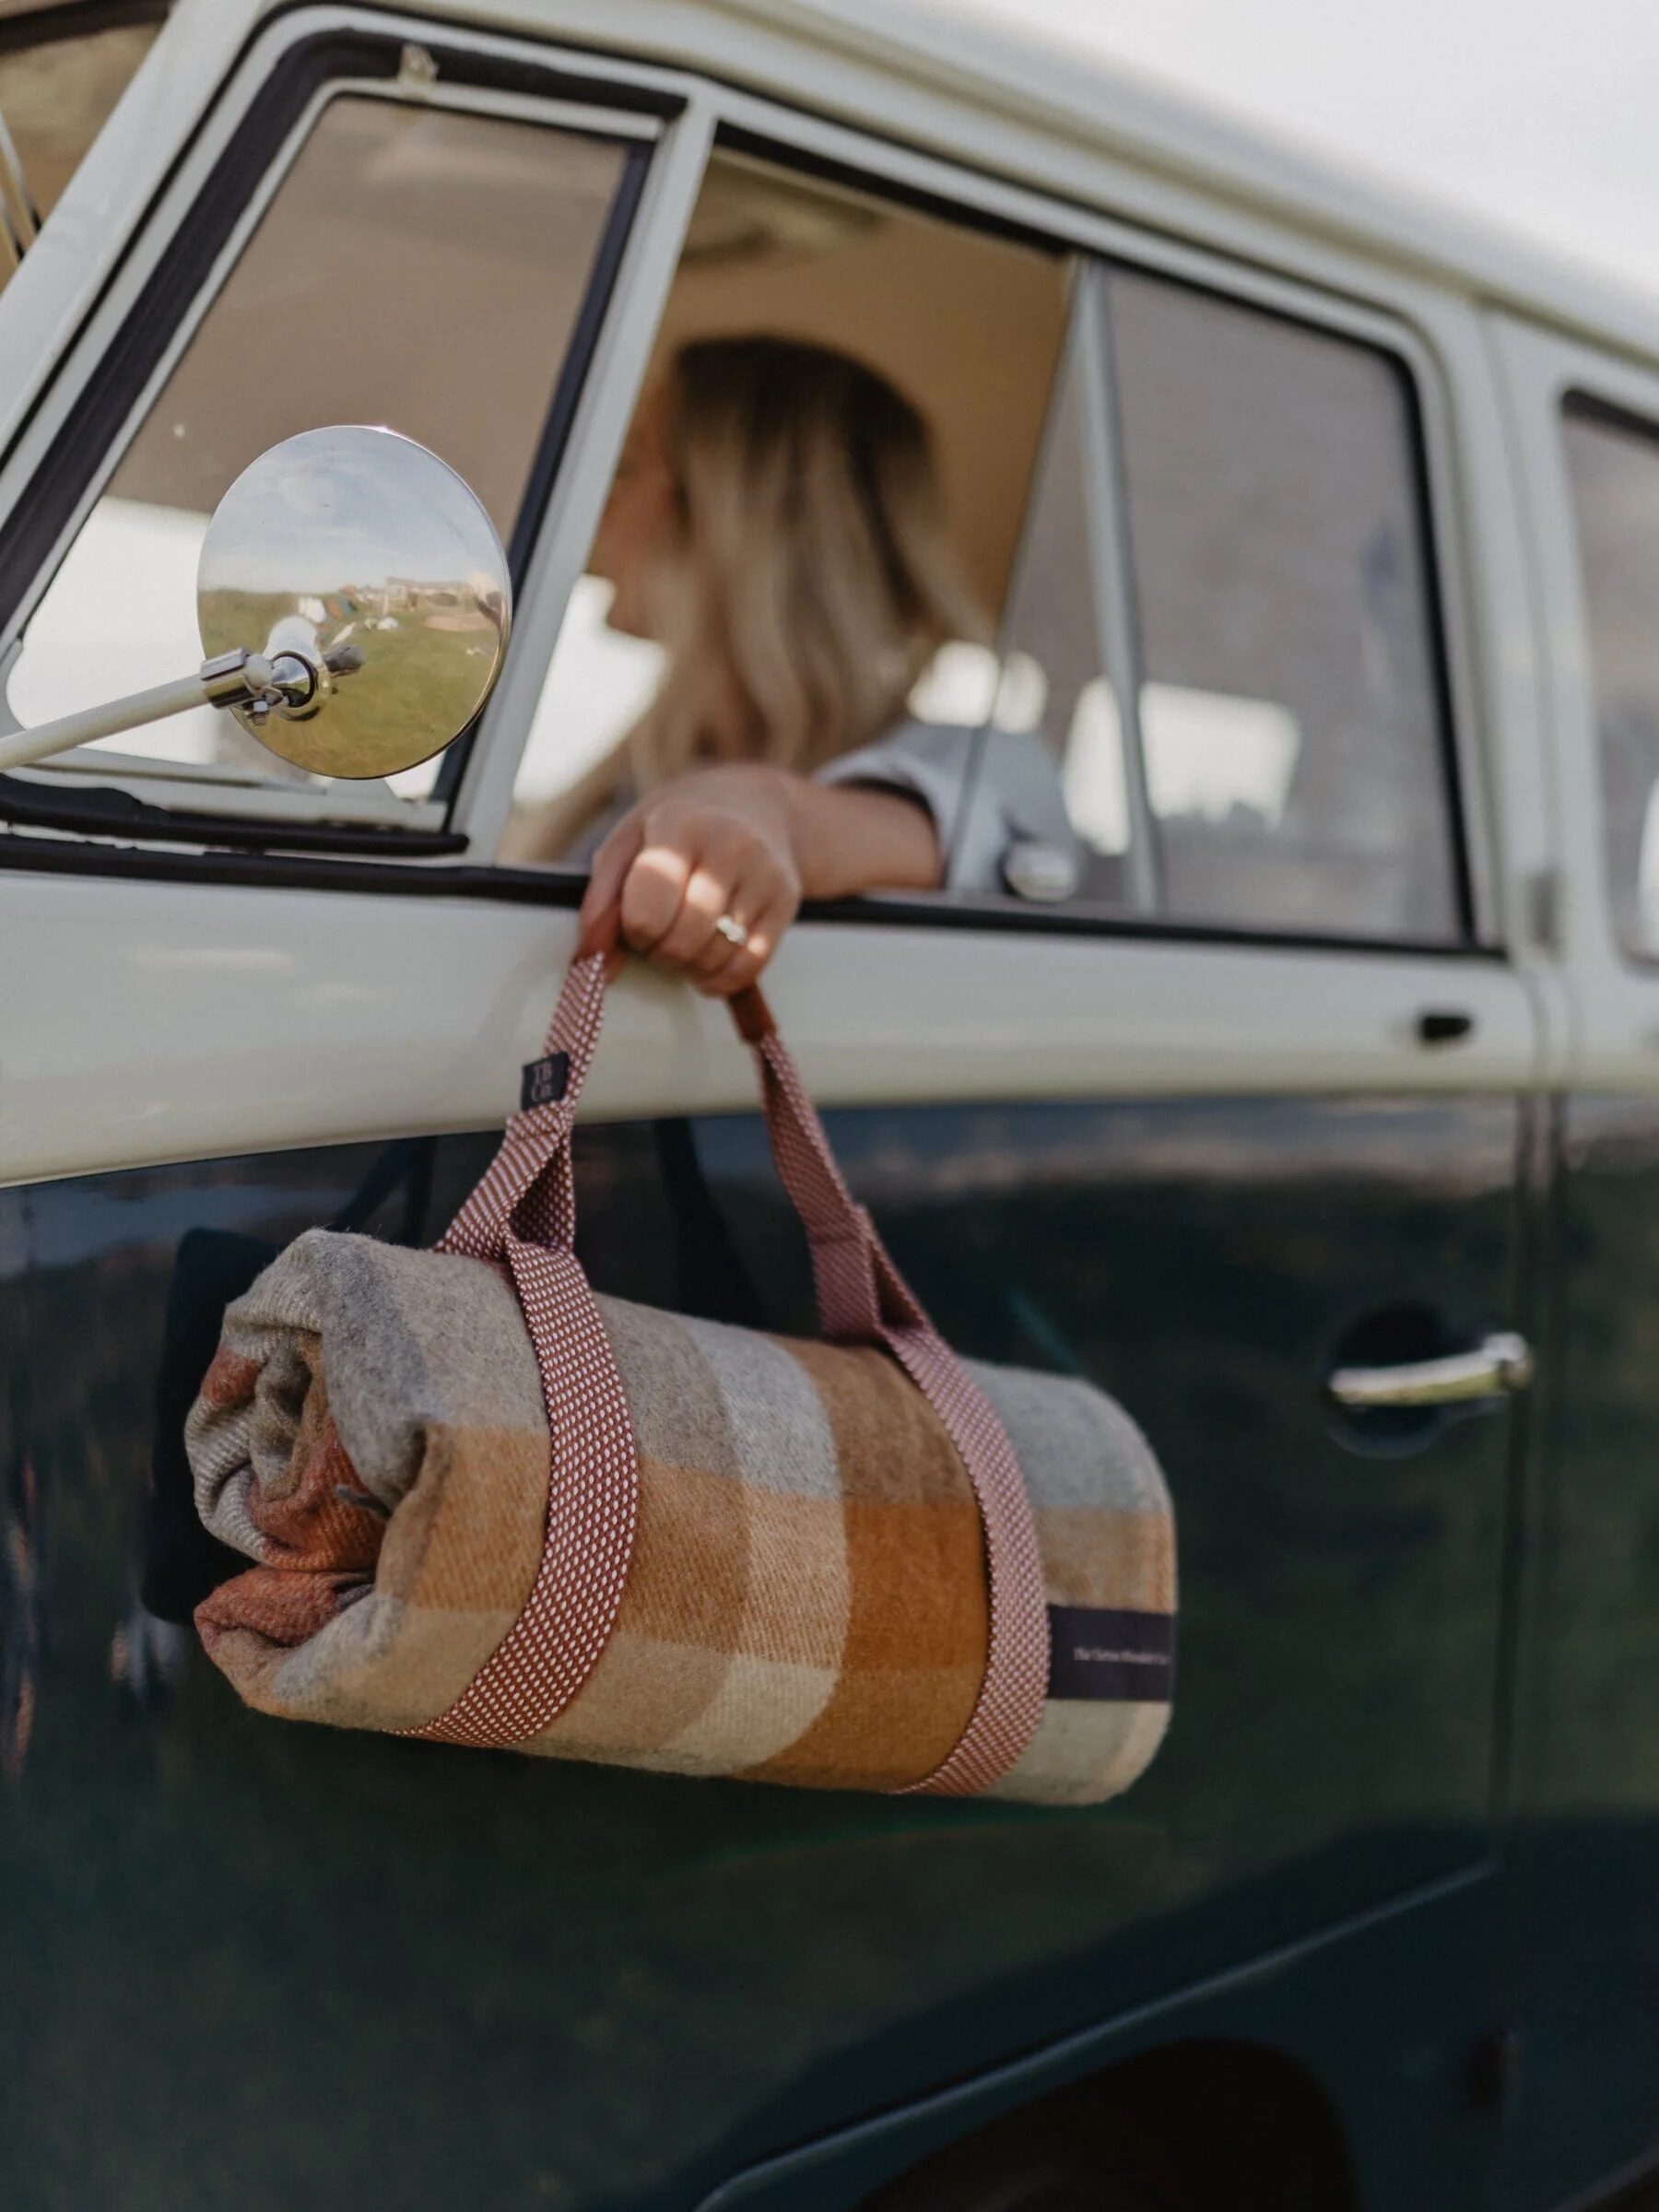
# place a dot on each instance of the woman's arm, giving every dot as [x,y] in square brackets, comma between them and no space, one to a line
[749,842]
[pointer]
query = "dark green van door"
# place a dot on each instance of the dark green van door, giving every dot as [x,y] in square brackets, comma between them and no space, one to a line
[290,1966]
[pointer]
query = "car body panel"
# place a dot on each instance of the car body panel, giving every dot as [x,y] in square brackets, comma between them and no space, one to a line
[393,1964]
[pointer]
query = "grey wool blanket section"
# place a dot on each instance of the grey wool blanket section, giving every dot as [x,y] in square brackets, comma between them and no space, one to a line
[806,1601]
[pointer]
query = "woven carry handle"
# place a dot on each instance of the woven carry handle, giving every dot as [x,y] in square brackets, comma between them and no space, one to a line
[523,1213]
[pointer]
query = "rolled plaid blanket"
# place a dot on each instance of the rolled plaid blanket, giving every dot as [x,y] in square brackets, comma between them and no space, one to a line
[807,1597]
[490,1509]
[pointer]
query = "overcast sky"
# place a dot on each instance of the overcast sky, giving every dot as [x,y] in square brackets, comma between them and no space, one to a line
[1542,113]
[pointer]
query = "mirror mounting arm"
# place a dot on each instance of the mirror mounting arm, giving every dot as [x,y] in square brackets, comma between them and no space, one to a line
[291,685]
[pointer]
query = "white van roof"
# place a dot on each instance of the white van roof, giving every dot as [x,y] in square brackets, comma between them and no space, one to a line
[1091,109]
[1043,115]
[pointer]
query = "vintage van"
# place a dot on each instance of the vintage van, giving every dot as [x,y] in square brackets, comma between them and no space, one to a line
[1316,1115]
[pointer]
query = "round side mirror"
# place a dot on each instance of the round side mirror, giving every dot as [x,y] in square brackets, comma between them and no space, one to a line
[368,577]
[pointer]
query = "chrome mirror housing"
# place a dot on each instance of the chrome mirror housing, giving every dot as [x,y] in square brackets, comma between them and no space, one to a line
[354,604]
[362,569]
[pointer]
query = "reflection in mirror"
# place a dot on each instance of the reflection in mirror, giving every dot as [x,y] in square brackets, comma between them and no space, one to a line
[348,553]
[367,559]
[394,236]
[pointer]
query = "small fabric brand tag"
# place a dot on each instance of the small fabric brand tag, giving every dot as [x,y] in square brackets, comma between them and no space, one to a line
[544,1081]
[1101,1652]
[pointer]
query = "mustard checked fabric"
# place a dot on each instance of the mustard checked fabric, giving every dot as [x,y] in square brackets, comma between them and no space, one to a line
[806,1598]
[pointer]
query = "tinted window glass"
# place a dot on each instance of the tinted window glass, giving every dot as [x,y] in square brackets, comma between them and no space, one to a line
[1289,704]
[1613,472]
[416,268]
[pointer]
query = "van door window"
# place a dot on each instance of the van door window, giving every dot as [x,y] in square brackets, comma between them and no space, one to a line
[419,266]
[1613,466]
[772,255]
[1289,701]
[1221,630]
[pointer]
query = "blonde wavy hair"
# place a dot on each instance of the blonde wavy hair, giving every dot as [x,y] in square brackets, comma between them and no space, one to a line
[810,580]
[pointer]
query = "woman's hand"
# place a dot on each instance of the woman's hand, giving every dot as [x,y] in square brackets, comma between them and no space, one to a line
[714,846]
[741,846]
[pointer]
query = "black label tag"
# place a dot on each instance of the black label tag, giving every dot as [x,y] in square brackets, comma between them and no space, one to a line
[544,1081]
[1101,1652]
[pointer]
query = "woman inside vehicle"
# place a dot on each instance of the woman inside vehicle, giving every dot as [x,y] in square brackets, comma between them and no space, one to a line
[775,525]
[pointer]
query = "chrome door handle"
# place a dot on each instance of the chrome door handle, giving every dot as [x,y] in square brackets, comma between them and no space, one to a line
[1500,1362]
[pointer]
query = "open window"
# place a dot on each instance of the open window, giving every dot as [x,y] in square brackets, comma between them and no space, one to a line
[965,322]
[1204,688]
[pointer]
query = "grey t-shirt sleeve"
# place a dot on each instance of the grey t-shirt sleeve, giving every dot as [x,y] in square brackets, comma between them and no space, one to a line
[929,761]
[988,791]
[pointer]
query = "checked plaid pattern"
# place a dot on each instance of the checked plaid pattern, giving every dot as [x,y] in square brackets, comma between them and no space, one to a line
[861,1299]
[488,1507]
[523,1211]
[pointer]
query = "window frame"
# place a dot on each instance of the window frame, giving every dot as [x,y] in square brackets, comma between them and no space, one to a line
[1257,262]
[263,120]
[1091,347]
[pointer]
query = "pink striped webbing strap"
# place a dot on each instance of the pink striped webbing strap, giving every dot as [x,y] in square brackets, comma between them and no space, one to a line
[863,1299]
[522,1212]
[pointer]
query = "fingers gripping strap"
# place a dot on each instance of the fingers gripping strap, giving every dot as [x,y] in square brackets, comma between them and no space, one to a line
[862,1295]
